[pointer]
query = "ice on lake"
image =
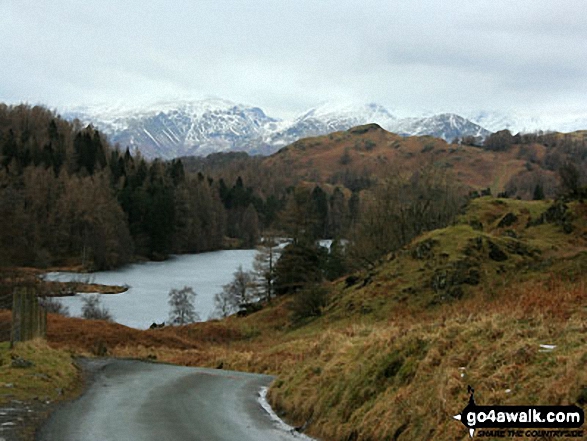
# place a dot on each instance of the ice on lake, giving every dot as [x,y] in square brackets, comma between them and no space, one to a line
[145,301]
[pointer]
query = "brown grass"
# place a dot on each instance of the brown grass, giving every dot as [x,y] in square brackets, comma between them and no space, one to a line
[341,380]
[381,364]
[375,380]
[317,159]
[92,335]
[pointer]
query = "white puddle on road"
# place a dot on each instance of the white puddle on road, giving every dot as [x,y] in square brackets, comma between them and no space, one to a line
[278,421]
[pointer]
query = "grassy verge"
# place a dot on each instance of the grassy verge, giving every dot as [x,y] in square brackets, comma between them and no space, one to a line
[52,376]
[406,378]
[33,379]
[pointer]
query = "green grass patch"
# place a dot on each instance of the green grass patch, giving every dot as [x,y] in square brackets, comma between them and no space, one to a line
[52,376]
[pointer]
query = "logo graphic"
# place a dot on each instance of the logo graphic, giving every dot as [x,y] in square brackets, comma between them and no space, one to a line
[519,417]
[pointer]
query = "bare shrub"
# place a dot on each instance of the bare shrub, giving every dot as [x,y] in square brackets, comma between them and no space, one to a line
[308,303]
[400,208]
[182,303]
[93,310]
[54,306]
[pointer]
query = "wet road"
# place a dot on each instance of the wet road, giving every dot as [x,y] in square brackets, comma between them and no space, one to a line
[133,400]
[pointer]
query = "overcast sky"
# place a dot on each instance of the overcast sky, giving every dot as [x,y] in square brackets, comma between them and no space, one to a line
[286,56]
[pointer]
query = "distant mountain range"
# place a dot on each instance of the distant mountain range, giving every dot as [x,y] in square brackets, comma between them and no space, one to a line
[518,122]
[185,128]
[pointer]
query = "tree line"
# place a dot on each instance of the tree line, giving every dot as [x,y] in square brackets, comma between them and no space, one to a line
[555,163]
[68,197]
[388,216]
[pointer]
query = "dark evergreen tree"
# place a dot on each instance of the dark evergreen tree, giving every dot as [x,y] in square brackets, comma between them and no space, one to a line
[250,227]
[336,263]
[354,208]
[9,149]
[319,213]
[177,172]
[299,266]
[160,215]
[538,192]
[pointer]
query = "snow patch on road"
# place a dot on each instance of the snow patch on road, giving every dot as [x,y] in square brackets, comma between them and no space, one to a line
[278,421]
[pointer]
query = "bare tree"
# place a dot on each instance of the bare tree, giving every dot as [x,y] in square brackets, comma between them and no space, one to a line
[570,178]
[54,306]
[297,218]
[264,267]
[524,184]
[241,291]
[93,310]
[182,303]
[224,305]
[402,207]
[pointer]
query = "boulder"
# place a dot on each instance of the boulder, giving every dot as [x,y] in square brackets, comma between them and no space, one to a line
[508,220]
[20,363]
[423,250]
[496,253]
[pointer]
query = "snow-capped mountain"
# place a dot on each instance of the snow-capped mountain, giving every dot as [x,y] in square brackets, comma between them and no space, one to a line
[329,118]
[170,130]
[447,126]
[512,121]
[183,128]
[520,122]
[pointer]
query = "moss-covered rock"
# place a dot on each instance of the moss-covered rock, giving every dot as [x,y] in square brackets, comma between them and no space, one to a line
[559,214]
[423,250]
[508,220]
[448,281]
[496,253]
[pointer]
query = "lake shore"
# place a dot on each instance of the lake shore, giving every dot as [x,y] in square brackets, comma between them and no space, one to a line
[149,283]
[26,276]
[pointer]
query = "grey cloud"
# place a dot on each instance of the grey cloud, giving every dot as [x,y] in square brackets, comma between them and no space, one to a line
[286,56]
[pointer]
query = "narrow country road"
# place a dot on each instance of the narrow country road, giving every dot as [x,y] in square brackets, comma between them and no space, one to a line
[132,400]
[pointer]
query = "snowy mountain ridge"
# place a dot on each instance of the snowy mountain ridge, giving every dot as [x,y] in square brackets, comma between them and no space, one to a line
[182,128]
[522,122]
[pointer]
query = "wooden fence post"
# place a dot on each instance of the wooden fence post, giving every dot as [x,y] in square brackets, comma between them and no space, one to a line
[29,320]
[42,322]
[15,335]
[27,316]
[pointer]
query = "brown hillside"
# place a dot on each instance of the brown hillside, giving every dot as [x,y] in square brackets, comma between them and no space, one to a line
[369,149]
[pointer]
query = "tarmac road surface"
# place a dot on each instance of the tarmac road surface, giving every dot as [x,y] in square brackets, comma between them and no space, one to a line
[133,400]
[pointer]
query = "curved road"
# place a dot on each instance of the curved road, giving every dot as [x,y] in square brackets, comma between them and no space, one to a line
[132,400]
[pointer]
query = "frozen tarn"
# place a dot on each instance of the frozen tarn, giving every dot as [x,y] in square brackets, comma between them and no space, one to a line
[145,301]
